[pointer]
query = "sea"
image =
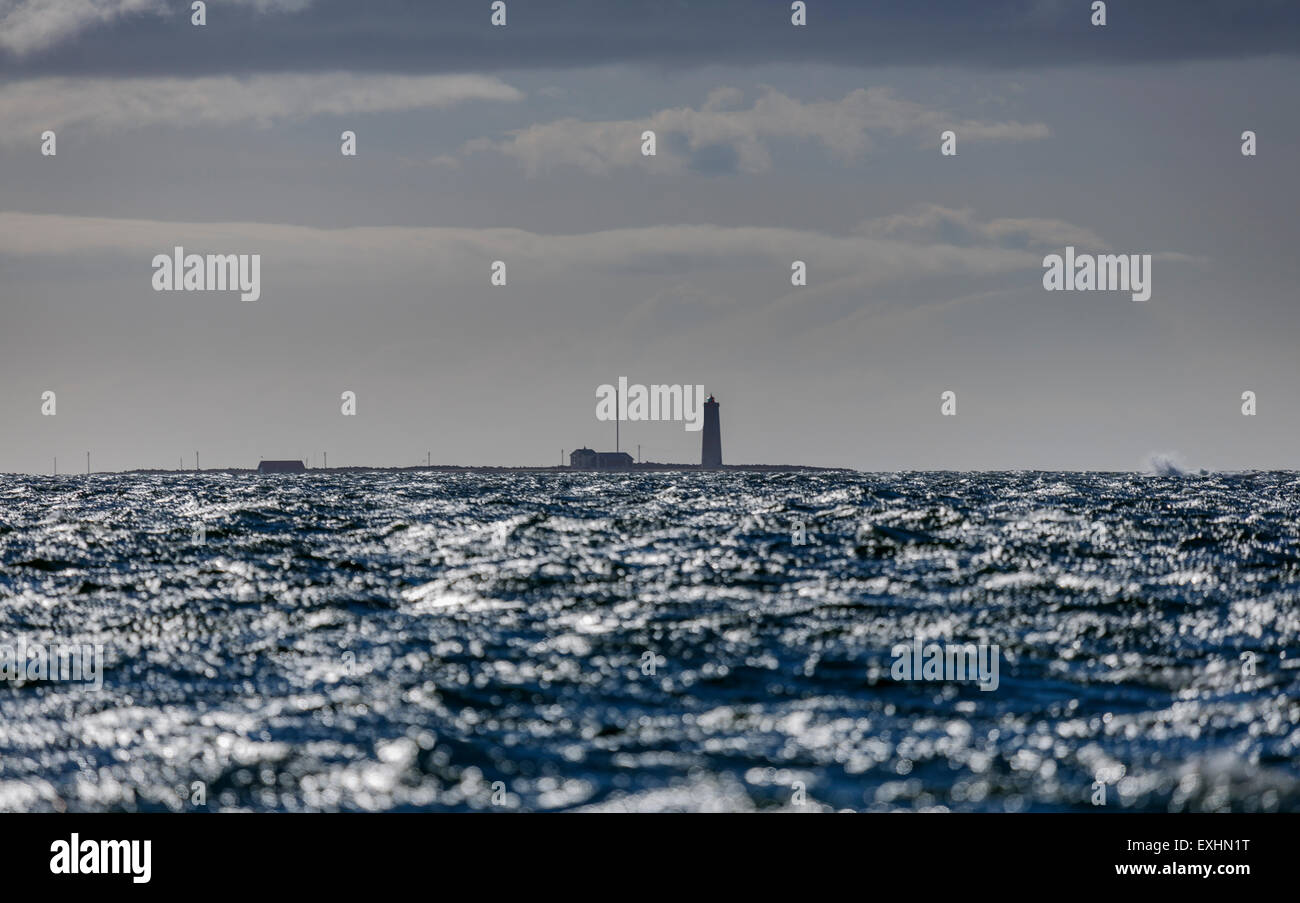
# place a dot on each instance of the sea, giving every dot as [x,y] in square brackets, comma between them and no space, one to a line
[688,641]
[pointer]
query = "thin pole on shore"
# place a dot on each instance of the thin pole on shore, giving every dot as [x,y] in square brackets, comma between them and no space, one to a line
[87,463]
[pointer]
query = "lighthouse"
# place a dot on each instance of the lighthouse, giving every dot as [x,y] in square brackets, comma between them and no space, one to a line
[711,452]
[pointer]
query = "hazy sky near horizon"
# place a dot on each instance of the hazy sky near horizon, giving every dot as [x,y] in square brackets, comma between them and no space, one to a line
[775,143]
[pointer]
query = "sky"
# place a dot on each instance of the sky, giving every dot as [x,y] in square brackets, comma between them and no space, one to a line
[775,143]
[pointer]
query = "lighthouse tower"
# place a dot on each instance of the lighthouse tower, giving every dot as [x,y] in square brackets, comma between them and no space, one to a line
[711,453]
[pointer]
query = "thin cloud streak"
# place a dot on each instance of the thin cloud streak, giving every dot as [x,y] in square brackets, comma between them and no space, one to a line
[628,251]
[28,107]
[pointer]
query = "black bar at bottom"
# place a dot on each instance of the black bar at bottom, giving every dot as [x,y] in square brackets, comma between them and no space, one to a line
[595,855]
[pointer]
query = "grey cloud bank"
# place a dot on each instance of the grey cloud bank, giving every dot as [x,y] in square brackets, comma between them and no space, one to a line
[141,35]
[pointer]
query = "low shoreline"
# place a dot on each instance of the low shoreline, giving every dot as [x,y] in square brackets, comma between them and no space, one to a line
[647,467]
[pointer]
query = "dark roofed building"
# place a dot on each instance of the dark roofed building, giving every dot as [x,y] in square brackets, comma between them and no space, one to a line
[586,459]
[282,467]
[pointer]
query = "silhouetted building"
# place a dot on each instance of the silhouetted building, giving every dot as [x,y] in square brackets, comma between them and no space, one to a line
[586,459]
[711,453]
[282,467]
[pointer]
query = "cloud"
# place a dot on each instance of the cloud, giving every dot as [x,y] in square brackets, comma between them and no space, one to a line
[400,36]
[713,139]
[31,25]
[934,223]
[28,25]
[715,283]
[28,107]
[649,250]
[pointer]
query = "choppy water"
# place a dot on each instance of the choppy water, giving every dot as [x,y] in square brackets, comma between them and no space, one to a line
[407,641]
